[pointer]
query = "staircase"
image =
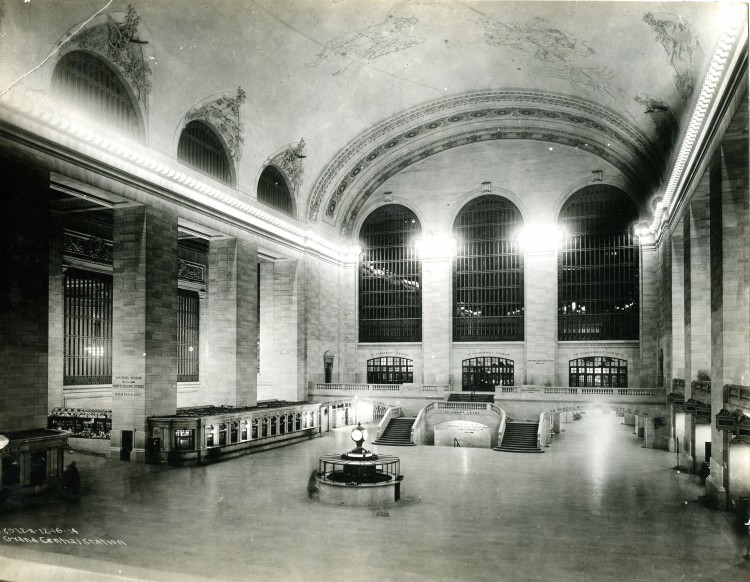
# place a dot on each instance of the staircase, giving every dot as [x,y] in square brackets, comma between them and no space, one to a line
[397,433]
[520,437]
[472,397]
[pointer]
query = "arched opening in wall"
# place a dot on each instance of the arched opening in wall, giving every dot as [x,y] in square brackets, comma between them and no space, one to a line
[201,148]
[484,373]
[390,275]
[598,372]
[87,316]
[274,191]
[488,303]
[598,267]
[88,84]
[390,370]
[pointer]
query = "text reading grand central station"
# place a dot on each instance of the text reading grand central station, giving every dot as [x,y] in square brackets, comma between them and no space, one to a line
[332,290]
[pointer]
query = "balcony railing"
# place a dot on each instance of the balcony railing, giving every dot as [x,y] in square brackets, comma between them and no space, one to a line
[474,329]
[407,389]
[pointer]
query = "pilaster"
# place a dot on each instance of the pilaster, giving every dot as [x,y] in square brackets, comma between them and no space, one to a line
[540,274]
[230,350]
[649,324]
[144,365]
[436,319]
[24,298]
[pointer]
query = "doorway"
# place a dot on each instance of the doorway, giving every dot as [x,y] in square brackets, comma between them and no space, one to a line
[126,445]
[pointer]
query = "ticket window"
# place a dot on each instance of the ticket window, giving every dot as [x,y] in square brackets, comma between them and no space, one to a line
[11,470]
[184,439]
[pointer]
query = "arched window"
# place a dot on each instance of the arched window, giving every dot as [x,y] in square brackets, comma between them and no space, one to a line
[87,83]
[390,370]
[488,272]
[598,267]
[595,372]
[390,275]
[273,190]
[484,373]
[200,147]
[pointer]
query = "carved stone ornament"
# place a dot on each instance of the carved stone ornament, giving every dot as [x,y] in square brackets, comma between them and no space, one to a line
[223,114]
[289,161]
[119,42]
[87,247]
[192,272]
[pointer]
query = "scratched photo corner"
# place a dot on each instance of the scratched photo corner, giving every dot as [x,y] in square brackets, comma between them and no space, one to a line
[318,290]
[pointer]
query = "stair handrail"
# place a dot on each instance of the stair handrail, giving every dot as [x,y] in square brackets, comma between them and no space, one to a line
[417,427]
[390,412]
[501,428]
[539,432]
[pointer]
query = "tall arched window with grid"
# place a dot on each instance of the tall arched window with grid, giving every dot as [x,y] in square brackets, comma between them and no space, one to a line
[390,277]
[90,85]
[488,300]
[274,191]
[598,267]
[200,147]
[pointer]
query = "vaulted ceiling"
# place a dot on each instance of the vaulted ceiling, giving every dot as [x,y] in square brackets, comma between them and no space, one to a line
[377,86]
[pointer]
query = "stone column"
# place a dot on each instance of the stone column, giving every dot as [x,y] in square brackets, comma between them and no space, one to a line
[289,331]
[697,288]
[697,274]
[144,343]
[730,294]
[267,333]
[540,275]
[663,314]
[24,298]
[649,324]
[348,325]
[678,304]
[56,312]
[436,320]
[231,358]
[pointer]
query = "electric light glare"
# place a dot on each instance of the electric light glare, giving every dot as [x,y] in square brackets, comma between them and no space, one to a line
[435,246]
[540,237]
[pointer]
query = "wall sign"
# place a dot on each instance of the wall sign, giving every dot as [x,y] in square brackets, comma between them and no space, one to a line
[467,432]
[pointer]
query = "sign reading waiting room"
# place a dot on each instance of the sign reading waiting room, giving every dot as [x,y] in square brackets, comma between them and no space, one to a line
[127,386]
[467,432]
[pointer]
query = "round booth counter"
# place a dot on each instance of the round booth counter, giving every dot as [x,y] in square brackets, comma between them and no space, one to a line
[362,480]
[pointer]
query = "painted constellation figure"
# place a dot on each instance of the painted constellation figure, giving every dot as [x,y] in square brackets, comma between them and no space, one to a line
[367,44]
[683,45]
[663,118]
[562,53]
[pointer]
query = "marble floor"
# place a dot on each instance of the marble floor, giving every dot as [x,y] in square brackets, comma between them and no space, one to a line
[595,506]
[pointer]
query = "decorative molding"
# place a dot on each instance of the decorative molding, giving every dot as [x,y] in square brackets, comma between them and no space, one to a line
[120,43]
[190,272]
[26,113]
[447,115]
[289,162]
[86,380]
[90,249]
[721,57]
[365,190]
[223,114]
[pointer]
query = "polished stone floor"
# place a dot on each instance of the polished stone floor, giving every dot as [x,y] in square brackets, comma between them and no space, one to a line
[595,506]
